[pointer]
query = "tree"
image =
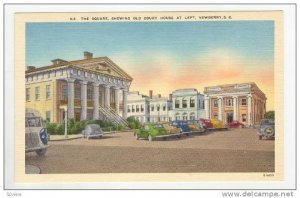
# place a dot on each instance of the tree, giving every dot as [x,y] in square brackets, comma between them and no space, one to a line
[270,115]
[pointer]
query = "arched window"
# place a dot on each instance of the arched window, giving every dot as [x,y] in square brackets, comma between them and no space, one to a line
[184,116]
[192,116]
[177,116]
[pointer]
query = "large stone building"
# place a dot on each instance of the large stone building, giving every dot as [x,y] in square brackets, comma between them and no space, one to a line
[188,104]
[86,89]
[243,102]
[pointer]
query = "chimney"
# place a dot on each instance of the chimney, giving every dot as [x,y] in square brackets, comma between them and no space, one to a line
[30,68]
[170,97]
[159,95]
[87,55]
[150,93]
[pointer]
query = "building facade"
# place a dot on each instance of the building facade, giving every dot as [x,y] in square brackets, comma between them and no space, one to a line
[188,104]
[138,106]
[242,102]
[160,109]
[82,89]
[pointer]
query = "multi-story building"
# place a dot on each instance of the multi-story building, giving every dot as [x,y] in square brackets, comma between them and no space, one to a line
[160,108]
[138,106]
[243,102]
[188,104]
[86,89]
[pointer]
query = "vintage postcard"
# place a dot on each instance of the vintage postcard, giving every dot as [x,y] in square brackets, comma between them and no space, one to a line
[149,97]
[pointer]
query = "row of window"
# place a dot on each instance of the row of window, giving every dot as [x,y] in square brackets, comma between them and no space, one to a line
[135,108]
[229,102]
[77,91]
[184,103]
[37,93]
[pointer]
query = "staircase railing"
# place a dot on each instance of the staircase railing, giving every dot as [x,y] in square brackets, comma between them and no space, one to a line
[111,115]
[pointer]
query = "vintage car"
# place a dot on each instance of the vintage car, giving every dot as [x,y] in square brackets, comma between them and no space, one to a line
[266,129]
[217,124]
[182,124]
[170,128]
[235,124]
[206,123]
[149,131]
[195,125]
[35,133]
[92,130]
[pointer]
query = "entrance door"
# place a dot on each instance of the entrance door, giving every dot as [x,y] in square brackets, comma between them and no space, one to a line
[229,117]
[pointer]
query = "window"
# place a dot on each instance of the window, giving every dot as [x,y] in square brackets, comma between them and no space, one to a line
[128,108]
[132,108]
[229,102]
[77,92]
[164,107]
[203,104]
[27,94]
[192,116]
[65,92]
[177,102]
[215,103]
[152,107]
[244,101]
[184,103]
[244,117]
[184,116]
[137,108]
[48,91]
[48,115]
[142,108]
[37,93]
[158,107]
[192,103]
[89,93]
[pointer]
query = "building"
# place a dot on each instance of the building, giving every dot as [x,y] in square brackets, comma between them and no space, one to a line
[85,89]
[160,108]
[138,106]
[188,104]
[243,102]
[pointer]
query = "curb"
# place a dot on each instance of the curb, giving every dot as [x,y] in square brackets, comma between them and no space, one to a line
[66,139]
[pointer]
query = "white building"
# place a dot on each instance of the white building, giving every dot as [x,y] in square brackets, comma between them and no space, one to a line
[188,104]
[137,106]
[160,108]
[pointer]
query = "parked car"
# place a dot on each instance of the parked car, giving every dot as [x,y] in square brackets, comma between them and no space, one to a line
[235,124]
[218,124]
[36,138]
[92,130]
[266,129]
[206,123]
[182,124]
[149,131]
[195,125]
[170,128]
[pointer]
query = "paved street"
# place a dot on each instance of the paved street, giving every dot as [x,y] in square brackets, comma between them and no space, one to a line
[236,150]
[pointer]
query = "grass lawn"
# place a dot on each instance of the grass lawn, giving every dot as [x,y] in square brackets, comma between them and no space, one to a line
[61,137]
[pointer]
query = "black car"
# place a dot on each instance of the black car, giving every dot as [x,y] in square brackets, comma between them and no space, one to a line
[266,129]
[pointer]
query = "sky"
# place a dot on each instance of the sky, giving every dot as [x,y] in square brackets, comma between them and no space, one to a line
[165,56]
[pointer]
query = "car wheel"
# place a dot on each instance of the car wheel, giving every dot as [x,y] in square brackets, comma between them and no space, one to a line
[269,132]
[41,152]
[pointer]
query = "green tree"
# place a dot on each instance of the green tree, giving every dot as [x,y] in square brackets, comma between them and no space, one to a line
[270,115]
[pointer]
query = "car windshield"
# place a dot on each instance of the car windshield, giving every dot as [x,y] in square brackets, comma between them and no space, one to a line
[33,122]
[267,122]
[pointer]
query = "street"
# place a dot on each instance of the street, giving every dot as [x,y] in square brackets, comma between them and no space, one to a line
[236,150]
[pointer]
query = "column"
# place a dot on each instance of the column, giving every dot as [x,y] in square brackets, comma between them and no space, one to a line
[207,108]
[249,111]
[235,108]
[117,100]
[125,91]
[83,100]
[96,101]
[106,96]
[70,98]
[220,101]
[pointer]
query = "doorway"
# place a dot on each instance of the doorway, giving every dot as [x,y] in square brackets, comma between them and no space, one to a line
[229,117]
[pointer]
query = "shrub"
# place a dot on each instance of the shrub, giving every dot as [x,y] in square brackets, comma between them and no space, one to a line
[51,128]
[77,128]
[133,123]
[59,129]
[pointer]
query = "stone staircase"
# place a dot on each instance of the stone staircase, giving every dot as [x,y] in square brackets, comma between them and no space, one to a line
[112,116]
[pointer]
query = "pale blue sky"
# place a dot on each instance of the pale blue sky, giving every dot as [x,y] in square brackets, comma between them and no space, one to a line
[47,41]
